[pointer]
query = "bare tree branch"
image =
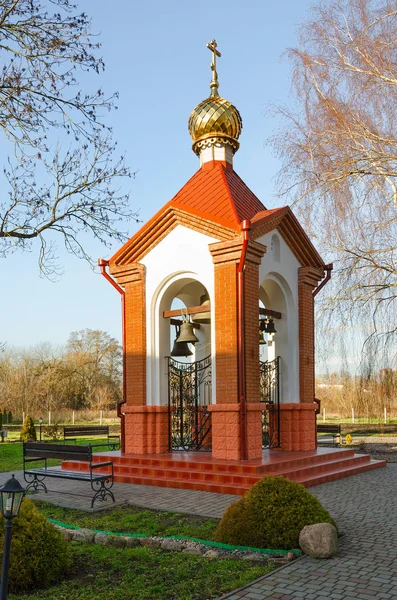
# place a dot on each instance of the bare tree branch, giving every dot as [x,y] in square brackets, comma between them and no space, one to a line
[339,150]
[42,107]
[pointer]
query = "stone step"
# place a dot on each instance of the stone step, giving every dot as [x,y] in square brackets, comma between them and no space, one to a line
[177,474]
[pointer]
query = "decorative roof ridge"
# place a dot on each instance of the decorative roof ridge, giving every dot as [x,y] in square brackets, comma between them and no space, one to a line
[164,221]
[224,177]
[284,220]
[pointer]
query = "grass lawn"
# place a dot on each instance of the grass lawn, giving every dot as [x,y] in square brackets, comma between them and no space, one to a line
[10,457]
[132,519]
[104,573]
[109,573]
[11,454]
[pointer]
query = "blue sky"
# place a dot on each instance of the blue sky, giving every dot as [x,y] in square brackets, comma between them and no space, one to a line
[156,57]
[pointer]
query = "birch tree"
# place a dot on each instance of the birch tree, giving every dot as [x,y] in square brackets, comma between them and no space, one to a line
[338,147]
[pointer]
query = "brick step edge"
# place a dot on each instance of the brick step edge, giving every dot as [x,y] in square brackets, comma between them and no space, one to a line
[161,463]
[230,480]
[240,489]
[333,476]
[231,477]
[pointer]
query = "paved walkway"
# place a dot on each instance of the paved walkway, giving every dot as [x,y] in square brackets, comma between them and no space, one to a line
[364,506]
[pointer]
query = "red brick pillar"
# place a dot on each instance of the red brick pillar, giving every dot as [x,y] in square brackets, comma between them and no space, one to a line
[298,420]
[226,436]
[146,427]
[308,278]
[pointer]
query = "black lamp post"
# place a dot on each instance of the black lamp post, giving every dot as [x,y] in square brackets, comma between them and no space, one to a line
[40,423]
[11,496]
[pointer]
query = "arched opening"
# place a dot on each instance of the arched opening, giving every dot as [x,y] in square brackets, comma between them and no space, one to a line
[185,380]
[275,294]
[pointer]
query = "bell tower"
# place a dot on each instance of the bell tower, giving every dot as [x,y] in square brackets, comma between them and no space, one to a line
[244,277]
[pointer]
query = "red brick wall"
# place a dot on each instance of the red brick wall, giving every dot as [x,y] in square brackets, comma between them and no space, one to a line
[132,278]
[308,278]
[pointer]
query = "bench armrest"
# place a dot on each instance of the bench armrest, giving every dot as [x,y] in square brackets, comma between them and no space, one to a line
[32,459]
[104,464]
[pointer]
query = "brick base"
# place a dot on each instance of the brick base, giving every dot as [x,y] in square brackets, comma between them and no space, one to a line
[146,429]
[226,441]
[298,426]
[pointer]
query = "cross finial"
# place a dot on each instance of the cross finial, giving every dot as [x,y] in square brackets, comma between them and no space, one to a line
[214,81]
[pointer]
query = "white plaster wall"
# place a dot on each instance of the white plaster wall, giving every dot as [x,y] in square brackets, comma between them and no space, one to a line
[182,257]
[284,273]
[216,152]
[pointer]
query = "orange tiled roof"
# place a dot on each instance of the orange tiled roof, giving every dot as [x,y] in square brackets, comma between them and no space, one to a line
[215,201]
[215,197]
[216,192]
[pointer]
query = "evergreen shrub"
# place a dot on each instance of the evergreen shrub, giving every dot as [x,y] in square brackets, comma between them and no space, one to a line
[39,553]
[28,431]
[271,515]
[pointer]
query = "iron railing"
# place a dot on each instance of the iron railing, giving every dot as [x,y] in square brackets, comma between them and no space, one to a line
[270,397]
[189,393]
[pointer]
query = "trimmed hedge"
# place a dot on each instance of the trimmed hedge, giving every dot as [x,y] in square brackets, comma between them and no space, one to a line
[39,553]
[271,515]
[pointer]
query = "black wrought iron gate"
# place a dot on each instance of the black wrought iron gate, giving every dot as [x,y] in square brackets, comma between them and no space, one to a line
[270,396]
[189,393]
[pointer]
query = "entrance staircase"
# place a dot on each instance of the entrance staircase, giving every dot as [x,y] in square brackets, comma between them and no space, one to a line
[199,471]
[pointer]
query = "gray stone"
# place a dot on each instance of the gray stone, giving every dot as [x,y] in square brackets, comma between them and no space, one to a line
[102,539]
[132,542]
[253,556]
[211,554]
[278,560]
[173,545]
[83,535]
[150,542]
[117,540]
[319,540]
[66,533]
[193,549]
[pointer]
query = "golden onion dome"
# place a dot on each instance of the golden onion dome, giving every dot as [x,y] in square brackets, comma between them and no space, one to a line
[215,119]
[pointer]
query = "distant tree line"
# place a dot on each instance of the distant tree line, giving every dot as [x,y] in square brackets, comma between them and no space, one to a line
[369,394]
[84,374]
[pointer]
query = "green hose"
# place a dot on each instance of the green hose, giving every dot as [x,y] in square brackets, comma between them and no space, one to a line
[183,538]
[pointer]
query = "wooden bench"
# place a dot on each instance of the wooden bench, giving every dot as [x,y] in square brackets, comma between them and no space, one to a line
[72,432]
[334,430]
[42,451]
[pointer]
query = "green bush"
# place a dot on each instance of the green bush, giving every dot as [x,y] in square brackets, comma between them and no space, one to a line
[271,515]
[28,431]
[53,432]
[39,553]
[9,417]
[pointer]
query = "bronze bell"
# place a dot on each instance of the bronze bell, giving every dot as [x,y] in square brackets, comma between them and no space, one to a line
[186,333]
[181,349]
[204,317]
[262,340]
[270,328]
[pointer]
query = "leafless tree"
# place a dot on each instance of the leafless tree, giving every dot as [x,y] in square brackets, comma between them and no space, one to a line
[62,172]
[339,151]
[86,373]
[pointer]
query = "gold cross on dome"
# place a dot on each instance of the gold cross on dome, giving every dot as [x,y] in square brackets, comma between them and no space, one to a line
[214,82]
